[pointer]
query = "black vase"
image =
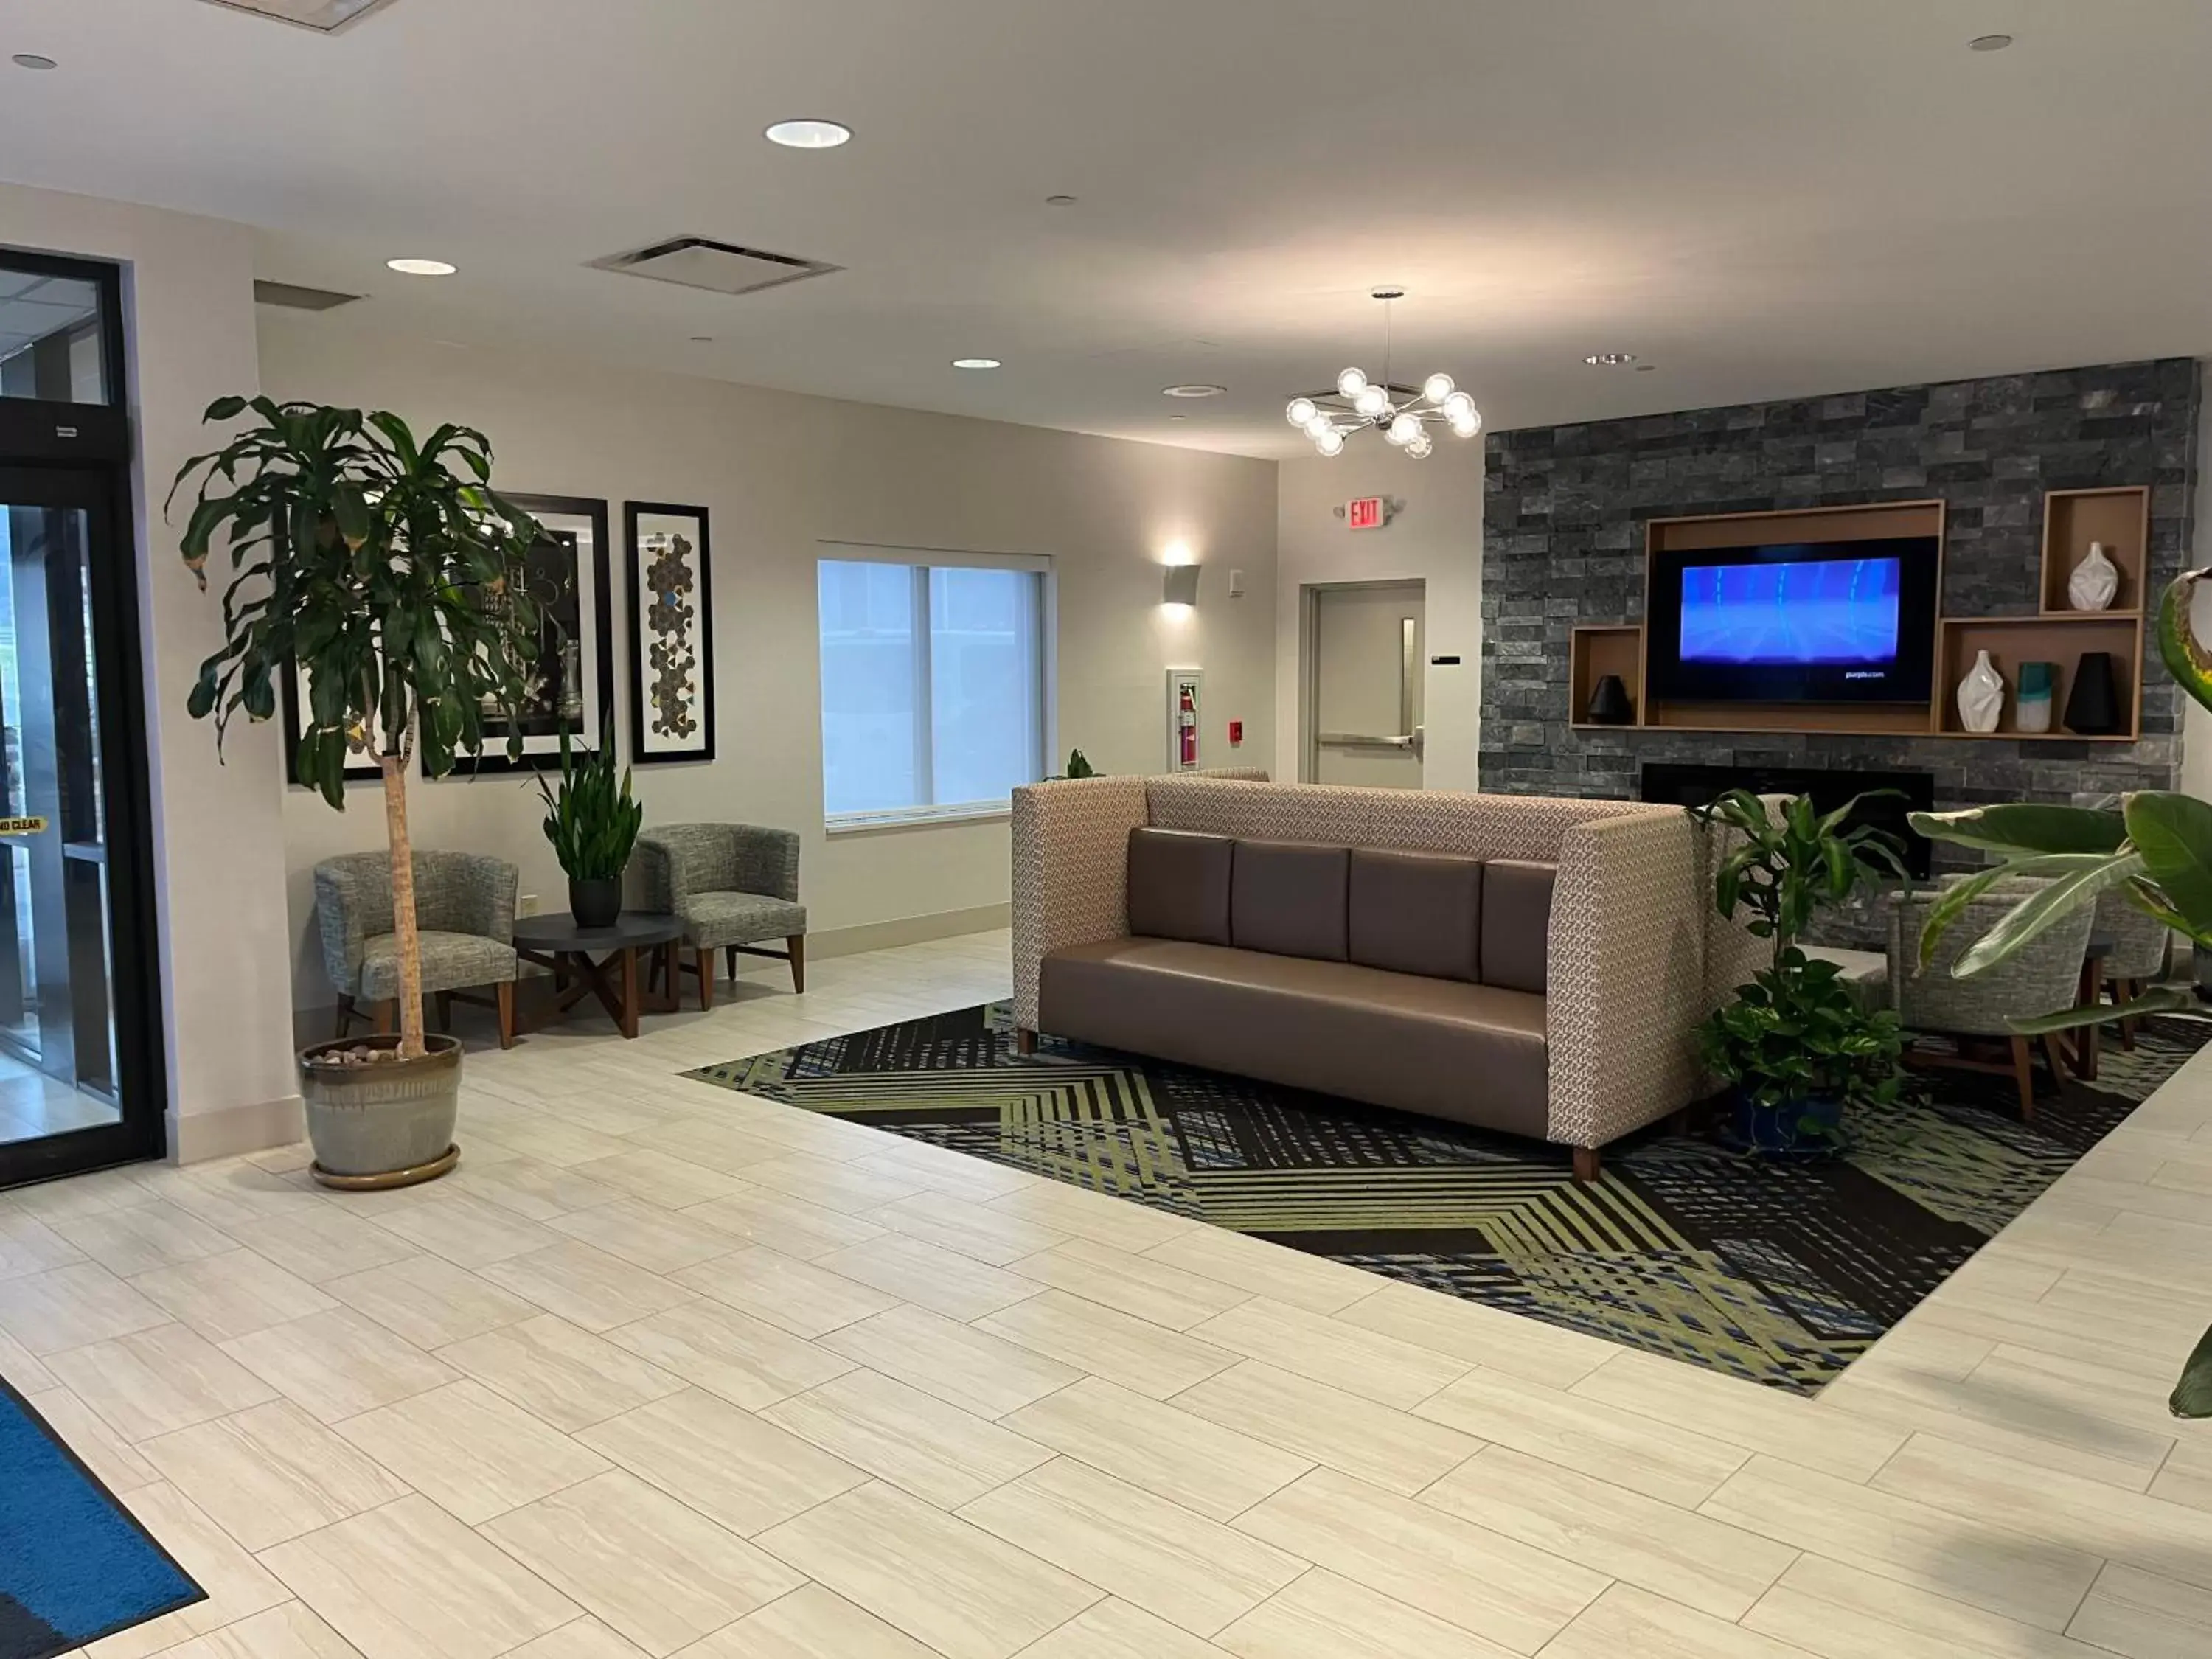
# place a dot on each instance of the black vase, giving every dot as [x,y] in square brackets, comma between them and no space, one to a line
[2092,707]
[1609,704]
[595,903]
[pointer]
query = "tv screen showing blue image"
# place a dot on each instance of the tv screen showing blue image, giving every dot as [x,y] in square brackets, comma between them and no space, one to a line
[1814,613]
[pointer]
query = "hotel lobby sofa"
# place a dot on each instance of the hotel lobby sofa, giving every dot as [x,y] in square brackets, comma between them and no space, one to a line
[1525,964]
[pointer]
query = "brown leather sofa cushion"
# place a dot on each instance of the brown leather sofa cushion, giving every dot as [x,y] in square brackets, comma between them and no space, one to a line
[1179,885]
[1288,897]
[1417,913]
[1516,923]
[1475,1053]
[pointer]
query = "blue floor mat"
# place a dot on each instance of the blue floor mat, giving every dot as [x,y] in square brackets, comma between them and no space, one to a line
[75,1564]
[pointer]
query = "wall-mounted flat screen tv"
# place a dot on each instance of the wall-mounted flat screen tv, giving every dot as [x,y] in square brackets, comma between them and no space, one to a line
[1798,622]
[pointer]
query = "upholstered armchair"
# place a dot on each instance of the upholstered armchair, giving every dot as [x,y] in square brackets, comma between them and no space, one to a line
[465,919]
[2043,977]
[731,885]
[2135,953]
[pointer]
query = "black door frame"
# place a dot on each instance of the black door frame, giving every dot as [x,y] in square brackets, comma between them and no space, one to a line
[79,455]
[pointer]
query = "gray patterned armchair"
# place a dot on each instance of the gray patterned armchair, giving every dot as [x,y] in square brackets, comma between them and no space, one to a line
[2042,978]
[465,917]
[731,885]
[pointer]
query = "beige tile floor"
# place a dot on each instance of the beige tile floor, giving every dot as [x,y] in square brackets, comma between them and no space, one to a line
[664,1369]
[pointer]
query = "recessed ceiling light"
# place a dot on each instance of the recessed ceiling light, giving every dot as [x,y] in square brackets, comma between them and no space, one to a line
[702,339]
[1178,418]
[977,363]
[32,60]
[1192,391]
[420,267]
[808,135]
[1610,358]
[1646,368]
[1390,291]
[1060,201]
[1989,43]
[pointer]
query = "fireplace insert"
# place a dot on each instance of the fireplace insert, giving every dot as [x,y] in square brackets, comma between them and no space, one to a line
[1683,785]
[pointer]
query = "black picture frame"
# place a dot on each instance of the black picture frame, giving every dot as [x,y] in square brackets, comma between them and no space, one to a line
[570,521]
[650,602]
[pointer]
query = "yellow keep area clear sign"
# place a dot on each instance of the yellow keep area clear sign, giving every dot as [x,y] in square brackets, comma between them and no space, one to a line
[21,826]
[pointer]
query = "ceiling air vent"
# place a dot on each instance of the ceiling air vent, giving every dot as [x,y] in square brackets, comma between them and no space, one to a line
[293,297]
[695,262]
[326,15]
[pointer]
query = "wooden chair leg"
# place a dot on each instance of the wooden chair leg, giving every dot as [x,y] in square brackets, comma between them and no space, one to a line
[345,1015]
[2023,1073]
[706,960]
[505,992]
[1586,1163]
[1024,1041]
[387,1016]
[2055,1052]
[2125,990]
[797,943]
[731,951]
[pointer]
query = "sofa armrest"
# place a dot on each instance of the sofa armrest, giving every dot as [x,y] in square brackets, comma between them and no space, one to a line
[1626,975]
[1071,850]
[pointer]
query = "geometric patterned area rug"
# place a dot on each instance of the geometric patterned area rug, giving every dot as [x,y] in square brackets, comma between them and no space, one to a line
[75,1564]
[1783,1274]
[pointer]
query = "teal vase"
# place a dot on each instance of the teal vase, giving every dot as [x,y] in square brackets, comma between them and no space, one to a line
[2038,688]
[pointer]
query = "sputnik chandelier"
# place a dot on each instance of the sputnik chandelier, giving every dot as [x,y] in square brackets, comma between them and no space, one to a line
[1401,414]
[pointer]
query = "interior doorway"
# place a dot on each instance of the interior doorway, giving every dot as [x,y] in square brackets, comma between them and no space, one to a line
[1363,675]
[80,1069]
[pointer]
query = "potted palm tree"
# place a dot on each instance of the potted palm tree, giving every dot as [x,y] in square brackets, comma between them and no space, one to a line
[390,575]
[2154,849]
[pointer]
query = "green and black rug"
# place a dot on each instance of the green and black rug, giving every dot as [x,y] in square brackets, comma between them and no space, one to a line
[1783,1274]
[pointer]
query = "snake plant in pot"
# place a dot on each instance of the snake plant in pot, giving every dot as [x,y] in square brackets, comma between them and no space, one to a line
[1795,1046]
[593,823]
[389,575]
[2154,849]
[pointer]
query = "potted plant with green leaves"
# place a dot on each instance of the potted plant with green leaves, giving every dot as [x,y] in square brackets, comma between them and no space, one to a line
[2154,849]
[390,575]
[593,823]
[1794,1045]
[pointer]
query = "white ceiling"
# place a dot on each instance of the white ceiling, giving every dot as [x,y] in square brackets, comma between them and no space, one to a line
[1763,197]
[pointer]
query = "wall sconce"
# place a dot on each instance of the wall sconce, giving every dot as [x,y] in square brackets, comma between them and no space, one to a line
[1180,586]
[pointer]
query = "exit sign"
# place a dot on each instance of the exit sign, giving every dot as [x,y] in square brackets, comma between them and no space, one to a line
[1365,513]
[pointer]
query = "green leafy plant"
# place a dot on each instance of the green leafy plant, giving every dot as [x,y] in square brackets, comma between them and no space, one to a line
[1078,765]
[2154,849]
[393,574]
[1795,1033]
[592,822]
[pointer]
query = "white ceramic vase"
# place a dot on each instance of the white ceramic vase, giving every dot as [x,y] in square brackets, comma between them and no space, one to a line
[2094,582]
[1981,695]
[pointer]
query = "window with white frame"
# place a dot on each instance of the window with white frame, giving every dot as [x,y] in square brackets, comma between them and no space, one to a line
[933,681]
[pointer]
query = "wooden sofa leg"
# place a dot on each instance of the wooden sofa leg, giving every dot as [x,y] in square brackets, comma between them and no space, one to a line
[1586,1163]
[706,960]
[1025,1040]
[505,992]
[797,942]
[2023,1073]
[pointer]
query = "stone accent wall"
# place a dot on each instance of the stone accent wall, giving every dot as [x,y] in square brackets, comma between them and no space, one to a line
[1565,508]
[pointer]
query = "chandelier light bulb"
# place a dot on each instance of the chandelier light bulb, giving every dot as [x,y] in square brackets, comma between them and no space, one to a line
[1437,387]
[1405,429]
[1371,401]
[1316,423]
[1392,435]
[1455,401]
[1421,445]
[1352,382]
[1330,442]
[1301,410]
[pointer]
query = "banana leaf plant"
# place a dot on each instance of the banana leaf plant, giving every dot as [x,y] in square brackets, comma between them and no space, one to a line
[2154,849]
[591,822]
[392,574]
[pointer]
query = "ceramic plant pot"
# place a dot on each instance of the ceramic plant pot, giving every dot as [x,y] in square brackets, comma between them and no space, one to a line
[595,903]
[386,1122]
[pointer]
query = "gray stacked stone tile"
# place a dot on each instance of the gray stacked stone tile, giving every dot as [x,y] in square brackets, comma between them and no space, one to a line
[1564,509]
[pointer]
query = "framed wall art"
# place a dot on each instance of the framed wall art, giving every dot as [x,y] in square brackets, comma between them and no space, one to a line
[671,639]
[573,687]
[361,765]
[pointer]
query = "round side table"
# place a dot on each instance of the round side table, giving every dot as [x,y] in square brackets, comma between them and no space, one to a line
[601,962]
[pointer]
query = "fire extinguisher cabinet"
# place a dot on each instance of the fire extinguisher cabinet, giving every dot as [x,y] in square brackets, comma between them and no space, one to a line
[1186,703]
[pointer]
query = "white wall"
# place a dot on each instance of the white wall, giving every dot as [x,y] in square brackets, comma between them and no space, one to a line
[2196,721]
[217,829]
[1437,538]
[781,473]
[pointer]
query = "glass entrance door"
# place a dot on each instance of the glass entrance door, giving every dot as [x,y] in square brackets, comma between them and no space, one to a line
[62,1102]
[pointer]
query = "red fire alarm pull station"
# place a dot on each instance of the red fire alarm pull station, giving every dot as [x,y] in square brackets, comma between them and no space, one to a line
[1235,732]
[1365,513]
